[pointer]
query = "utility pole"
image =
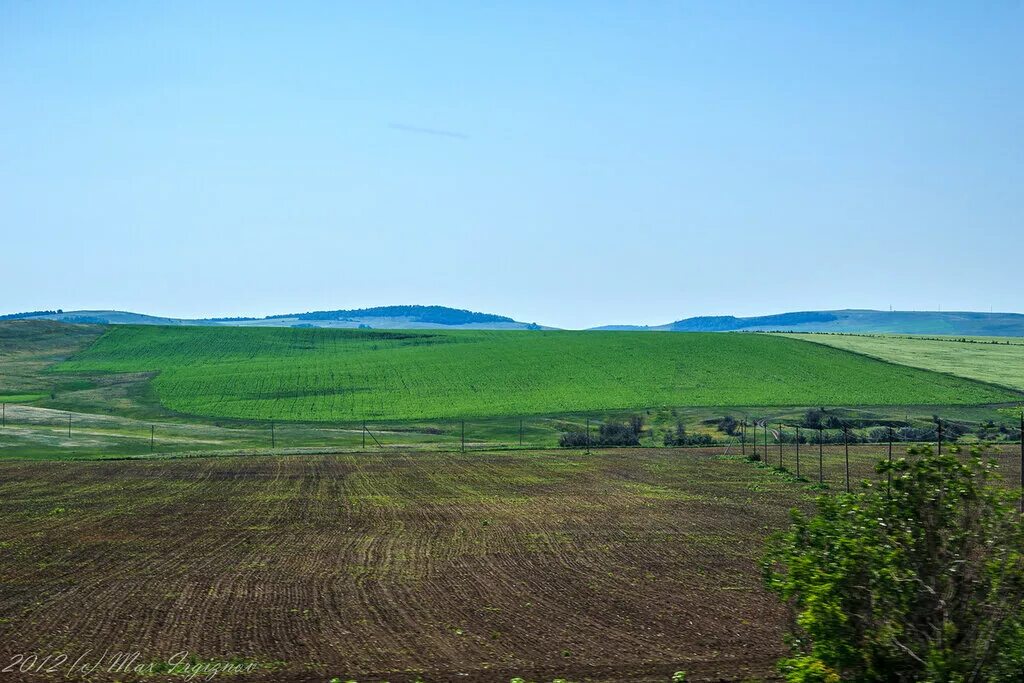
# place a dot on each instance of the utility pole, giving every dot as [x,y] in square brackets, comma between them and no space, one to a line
[798,452]
[846,447]
[780,446]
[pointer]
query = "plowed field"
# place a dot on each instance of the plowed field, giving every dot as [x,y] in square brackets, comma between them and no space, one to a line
[619,566]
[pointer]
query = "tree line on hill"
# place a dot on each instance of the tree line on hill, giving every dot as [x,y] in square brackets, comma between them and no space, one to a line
[28,314]
[439,315]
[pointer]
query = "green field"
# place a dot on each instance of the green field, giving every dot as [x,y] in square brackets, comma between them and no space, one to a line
[995,360]
[347,375]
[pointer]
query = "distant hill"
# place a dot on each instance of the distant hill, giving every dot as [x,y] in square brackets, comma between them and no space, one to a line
[965,323]
[725,323]
[381,317]
[387,317]
[434,315]
[97,317]
[955,323]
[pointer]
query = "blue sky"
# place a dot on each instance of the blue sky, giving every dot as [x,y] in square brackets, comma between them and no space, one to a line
[571,163]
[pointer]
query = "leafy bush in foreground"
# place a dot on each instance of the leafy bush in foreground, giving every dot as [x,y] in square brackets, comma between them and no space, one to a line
[924,585]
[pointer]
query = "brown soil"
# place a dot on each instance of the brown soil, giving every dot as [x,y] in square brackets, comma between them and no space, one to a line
[618,566]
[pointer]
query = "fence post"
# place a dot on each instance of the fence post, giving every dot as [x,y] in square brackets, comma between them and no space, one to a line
[939,421]
[273,437]
[1022,463]
[888,485]
[588,435]
[4,419]
[152,431]
[821,456]
[766,443]
[846,447]
[364,435]
[69,425]
[798,451]
[463,436]
[781,467]
[520,432]
[753,426]
[743,438]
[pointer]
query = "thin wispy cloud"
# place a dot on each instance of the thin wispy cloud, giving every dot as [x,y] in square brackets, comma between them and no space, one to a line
[428,131]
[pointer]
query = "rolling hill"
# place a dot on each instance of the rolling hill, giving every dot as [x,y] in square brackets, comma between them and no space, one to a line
[988,359]
[348,375]
[958,323]
[381,317]
[849,321]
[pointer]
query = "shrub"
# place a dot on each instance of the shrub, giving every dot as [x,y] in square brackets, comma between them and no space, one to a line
[618,434]
[573,440]
[680,438]
[608,434]
[729,425]
[819,417]
[925,584]
[677,437]
[814,418]
[636,423]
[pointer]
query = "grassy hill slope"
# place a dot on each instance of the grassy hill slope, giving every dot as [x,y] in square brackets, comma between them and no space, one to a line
[28,347]
[999,361]
[906,322]
[337,375]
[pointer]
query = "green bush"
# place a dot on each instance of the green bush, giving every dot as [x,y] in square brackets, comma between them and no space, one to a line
[681,438]
[925,584]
